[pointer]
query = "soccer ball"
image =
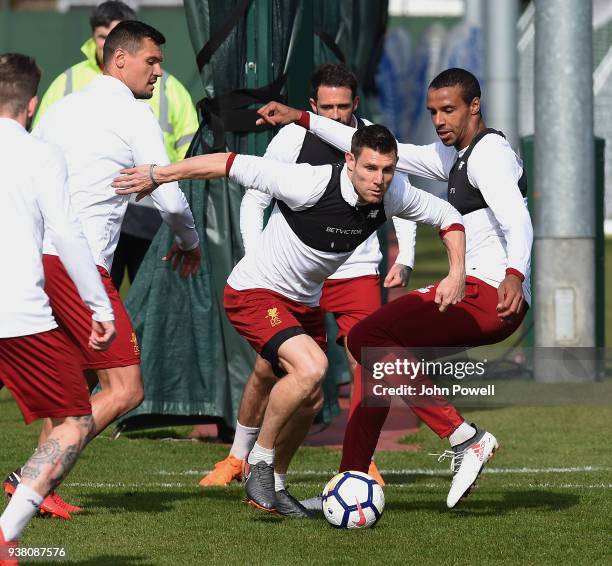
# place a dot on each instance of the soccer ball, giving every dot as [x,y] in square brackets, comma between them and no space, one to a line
[353,500]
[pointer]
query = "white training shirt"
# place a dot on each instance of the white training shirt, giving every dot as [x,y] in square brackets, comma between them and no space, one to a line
[101,130]
[34,198]
[286,147]
[280,261]
[498,237]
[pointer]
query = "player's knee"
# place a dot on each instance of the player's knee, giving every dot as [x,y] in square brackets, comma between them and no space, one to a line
[311,372]
[130,393]
[134,396]
[137,397]
[263,375]
[134,391]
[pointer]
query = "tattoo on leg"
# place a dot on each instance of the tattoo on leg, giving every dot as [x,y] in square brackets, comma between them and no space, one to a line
[71,454]
[52,461]
[46,455]
[64,465]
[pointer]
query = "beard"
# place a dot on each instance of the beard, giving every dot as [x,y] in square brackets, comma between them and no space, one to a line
[143,95]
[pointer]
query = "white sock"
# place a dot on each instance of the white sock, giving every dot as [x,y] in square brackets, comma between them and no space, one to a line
[280,481]
[21,508]
[462,433]
[259,453]
[244,440]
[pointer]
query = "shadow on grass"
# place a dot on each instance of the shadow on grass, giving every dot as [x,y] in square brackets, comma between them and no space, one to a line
[263,517]
[150,501]
[222,494]
[512,500]
[159,434]
[410,479]
[239,501]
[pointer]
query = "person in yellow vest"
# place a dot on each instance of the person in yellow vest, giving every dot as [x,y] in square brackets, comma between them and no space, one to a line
[173,108]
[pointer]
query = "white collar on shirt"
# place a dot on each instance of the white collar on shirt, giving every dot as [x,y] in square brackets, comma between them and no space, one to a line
[111,84]
[10,123]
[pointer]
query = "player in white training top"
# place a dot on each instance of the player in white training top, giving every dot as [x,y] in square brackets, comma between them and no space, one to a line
[101,130]
[37,361]
[486,183]
[350,294]
[320,217]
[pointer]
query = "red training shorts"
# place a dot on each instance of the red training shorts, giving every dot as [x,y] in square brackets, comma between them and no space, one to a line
[74,317]
[43,373]
[350,300]
[266,319]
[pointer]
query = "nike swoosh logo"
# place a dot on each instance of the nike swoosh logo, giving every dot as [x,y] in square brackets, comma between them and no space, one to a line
[362,517]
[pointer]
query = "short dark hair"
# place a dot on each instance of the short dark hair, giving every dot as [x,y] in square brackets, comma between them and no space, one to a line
[19,79]
[108,12]
[333,74]
[470,87]
[375,137]
[129,35]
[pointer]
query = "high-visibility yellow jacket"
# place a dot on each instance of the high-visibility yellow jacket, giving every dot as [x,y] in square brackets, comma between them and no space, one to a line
[171,102]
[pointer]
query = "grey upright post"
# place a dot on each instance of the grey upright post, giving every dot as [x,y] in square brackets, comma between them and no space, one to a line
[564,273]
[501,77]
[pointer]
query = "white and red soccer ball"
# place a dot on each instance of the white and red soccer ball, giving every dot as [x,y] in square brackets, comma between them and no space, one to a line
[353,500]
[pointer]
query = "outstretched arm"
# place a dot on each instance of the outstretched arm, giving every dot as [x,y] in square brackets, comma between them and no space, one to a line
[432,161]
[144,179]
[298,186]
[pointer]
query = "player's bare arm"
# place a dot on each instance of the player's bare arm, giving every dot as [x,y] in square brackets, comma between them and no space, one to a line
[144,179]
[399,273]
[397,276]
[277,114]
[102,335]
[189,260]
[451,289]
[510,295]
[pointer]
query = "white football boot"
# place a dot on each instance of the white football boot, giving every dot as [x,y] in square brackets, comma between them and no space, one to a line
[468,459]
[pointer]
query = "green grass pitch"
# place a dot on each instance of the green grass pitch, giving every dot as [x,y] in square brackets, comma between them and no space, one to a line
[546,498]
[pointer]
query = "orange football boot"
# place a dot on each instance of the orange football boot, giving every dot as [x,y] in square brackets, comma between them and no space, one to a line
[5,548]
[52,505]
[224,472]
[373,471]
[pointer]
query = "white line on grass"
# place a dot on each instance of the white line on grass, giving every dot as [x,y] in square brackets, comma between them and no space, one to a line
[421,471]
[442,487]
